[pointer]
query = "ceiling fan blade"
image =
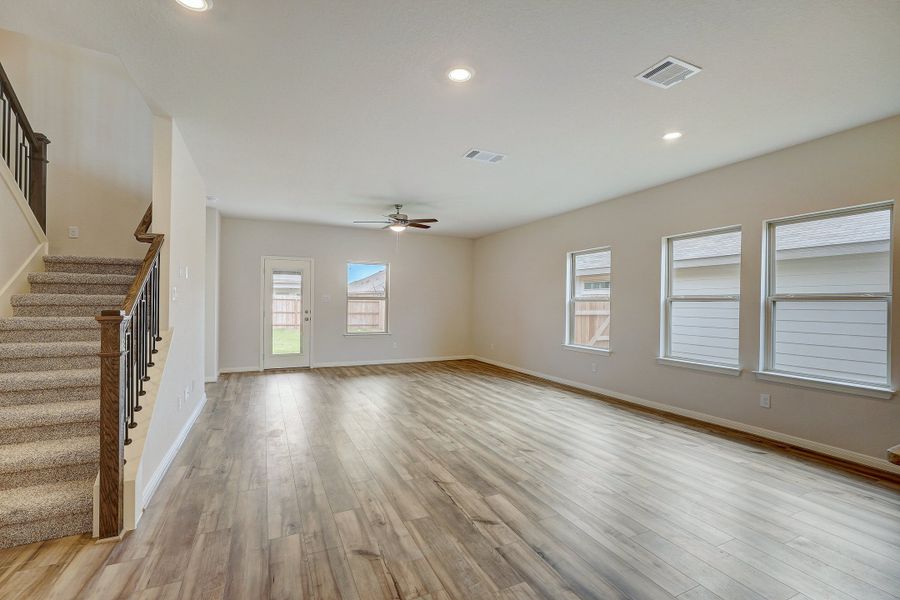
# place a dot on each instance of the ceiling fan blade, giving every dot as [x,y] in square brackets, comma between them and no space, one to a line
[423,220]
[379,222]
[418,225]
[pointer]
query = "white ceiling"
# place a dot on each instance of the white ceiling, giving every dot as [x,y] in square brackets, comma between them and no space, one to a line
[329,111]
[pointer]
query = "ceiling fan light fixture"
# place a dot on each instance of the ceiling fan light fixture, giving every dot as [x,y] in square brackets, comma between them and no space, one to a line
[398,228]
[196,5]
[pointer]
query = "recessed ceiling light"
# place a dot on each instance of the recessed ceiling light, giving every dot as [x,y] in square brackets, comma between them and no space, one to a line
[398,228]
[196,5]
[459,74]
[672,135]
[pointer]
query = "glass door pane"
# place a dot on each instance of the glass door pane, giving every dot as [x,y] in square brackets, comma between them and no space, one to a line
[287,312]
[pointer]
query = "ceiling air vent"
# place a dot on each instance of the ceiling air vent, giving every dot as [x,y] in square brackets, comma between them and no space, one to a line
[668,72]
[483,156]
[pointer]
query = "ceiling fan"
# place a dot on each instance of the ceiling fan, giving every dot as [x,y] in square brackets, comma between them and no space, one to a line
[398,222]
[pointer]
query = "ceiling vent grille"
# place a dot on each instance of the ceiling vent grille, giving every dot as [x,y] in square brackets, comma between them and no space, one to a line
[668,72]
[484,156]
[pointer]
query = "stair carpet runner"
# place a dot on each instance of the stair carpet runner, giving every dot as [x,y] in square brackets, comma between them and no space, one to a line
[50,396]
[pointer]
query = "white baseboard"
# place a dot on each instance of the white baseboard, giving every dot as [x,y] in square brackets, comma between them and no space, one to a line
[18,283]
[163,467]
[359,363]
[252,369]
[834,451]
[388,361]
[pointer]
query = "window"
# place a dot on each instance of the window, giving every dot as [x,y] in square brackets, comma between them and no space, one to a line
[588,299]
[701,292]
[827,303]
[367,298]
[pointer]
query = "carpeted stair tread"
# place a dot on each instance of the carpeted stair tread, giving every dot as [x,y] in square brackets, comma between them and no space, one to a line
[82,278]
[25,416]
[67,300]
[46,454]
[48,349]
[51,323]
[99,260]
[43,380]
[40,502]
[50,395]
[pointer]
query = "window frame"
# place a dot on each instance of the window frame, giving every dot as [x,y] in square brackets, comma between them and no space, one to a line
[769,298]
[667,299]
[571,298]
[387,301]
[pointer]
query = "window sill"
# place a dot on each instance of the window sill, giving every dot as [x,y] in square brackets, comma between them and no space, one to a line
[367,334]
[586,349]
[699,366]
[859,389]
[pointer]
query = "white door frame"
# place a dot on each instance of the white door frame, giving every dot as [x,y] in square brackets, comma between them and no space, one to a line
[263,304]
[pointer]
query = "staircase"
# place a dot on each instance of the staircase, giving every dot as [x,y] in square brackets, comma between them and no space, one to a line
[50,396]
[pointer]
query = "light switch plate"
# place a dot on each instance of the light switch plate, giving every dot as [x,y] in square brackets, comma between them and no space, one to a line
[73,232]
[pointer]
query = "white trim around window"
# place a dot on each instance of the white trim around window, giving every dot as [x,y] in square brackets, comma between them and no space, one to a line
[691,300]
[373,298]
[573,297]
[773,298]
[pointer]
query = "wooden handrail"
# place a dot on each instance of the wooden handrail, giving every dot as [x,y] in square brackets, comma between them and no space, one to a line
[128,337]
[23,150]
[10,94]
[142,234]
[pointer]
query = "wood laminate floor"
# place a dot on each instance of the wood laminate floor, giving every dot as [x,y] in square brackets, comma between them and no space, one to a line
[462,481]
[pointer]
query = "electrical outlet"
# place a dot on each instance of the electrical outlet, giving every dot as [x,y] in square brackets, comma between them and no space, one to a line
[73,232]
[492,346]
[326,298]
[593,367]
[765,400]
[395,344]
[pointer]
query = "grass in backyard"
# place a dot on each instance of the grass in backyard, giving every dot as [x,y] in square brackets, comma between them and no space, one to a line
[287,340]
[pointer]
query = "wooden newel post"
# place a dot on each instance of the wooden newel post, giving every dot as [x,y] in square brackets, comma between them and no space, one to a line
[112,422]
[37,183]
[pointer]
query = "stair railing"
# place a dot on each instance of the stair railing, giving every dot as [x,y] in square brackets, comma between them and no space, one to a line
[128,338]
[23,150]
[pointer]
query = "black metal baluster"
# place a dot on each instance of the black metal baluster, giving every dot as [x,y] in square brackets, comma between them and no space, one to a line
[129,413]
[157,337]
[140,361]
[151,301]
[26,178]
[145,341]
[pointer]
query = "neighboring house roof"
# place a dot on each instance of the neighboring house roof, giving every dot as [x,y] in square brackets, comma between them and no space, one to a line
[373,285]
[849,229]
[592,264]
[286,284]
[849,234]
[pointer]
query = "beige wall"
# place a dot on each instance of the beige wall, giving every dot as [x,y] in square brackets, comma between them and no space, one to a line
[22,243]
[180,395]
[519,281]
[430,291]
[100,142]
[211,293]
